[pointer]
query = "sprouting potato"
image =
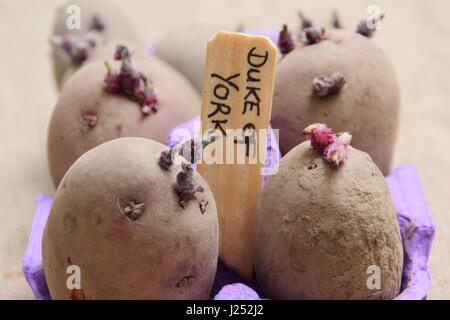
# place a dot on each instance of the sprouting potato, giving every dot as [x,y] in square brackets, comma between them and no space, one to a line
[135,228]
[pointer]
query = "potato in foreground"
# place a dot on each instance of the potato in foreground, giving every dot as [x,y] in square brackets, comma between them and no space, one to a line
[136,229]
[325,223]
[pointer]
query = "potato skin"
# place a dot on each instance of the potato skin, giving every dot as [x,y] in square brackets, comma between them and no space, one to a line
[116,25]
[368,107]
[318,230]
[121,258]
[118,116]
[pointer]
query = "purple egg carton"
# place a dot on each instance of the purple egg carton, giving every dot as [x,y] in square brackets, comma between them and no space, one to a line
[416,226]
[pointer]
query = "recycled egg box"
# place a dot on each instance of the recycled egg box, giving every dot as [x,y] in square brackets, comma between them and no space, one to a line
[416,227]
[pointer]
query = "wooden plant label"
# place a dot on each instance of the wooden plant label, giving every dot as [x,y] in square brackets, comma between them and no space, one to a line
[237,101]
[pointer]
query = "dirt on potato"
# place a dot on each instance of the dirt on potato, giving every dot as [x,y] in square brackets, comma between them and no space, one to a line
[320,232]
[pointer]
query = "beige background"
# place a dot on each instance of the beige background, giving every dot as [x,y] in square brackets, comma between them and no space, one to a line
[415,35]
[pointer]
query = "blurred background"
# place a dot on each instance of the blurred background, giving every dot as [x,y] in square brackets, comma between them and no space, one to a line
[415,36]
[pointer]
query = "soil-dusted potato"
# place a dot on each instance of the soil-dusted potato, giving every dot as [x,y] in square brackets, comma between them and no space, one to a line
[321,232]
[184,48]
[117,216]
[102,17]
[87,114]
[344,80]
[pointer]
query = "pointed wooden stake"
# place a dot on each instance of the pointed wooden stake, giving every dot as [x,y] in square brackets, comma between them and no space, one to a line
[237,102]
